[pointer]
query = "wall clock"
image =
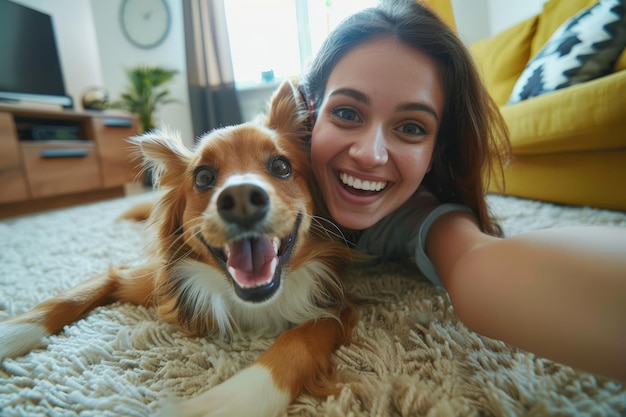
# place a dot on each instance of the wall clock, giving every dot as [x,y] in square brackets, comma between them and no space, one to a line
[145,23]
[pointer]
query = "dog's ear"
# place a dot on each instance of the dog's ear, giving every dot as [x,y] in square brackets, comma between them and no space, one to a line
[288,113]
[165,153]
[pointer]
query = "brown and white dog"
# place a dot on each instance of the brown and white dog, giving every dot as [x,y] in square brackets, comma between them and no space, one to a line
[239,249]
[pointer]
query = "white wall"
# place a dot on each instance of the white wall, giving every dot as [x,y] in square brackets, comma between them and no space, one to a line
[479,19]
[117,54]
[505,13]
[472,19]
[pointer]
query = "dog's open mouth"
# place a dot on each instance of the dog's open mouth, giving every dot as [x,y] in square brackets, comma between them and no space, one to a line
[255,263]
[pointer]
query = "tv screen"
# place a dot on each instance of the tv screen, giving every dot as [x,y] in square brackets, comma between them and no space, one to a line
[30,69]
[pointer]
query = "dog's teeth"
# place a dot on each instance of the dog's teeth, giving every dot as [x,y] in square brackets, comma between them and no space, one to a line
[276,244]
[274,264]
[227,250]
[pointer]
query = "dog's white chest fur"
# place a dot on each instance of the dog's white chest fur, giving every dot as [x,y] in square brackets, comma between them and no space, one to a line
[213,297]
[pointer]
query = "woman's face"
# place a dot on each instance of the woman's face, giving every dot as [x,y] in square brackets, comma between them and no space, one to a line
[375,132]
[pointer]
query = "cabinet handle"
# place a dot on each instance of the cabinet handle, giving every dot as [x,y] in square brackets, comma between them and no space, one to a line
[64,153]
[117,122]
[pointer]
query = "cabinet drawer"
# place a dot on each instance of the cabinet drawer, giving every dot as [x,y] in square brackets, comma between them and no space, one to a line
[61,168]
[12,183]
[116,153]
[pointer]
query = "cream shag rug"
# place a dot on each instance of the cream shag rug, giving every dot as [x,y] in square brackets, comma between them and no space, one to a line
[410,356]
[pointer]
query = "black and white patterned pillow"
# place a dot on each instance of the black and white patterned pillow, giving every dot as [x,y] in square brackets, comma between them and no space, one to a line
[583,48]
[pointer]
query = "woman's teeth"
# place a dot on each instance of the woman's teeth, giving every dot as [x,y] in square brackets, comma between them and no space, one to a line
[359,184]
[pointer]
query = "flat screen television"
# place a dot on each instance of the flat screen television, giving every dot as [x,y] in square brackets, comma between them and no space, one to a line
[30,68]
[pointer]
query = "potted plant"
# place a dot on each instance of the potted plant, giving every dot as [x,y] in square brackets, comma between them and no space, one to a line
[145,93]
[143,96]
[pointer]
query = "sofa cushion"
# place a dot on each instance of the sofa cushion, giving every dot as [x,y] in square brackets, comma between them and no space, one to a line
[582,118]
[502,58]
[553,14]
[583,48]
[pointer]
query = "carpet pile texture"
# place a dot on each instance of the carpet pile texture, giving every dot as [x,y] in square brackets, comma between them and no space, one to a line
[410,356]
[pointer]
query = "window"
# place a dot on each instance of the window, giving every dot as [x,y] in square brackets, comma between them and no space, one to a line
[281,35]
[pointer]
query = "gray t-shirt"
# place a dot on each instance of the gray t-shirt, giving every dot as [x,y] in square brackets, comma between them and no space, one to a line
[402,234]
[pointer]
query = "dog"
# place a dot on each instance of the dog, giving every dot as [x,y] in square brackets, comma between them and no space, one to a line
[239,249]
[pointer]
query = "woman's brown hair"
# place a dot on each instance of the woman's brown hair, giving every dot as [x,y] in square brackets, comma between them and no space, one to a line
[472,143]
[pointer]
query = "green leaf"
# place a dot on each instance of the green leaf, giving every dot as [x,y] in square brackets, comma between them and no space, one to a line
[145,93]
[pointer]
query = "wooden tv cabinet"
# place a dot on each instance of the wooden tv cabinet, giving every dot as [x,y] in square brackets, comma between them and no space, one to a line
[55,158]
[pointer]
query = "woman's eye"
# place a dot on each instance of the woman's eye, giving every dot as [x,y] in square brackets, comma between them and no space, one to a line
[412,129]
[280,167]
[204,177]
[346,114]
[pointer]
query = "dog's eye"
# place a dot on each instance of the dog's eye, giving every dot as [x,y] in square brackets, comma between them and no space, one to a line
[280,167]
[204,177]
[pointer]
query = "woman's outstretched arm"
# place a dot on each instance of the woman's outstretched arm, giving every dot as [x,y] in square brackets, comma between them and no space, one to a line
[559,293]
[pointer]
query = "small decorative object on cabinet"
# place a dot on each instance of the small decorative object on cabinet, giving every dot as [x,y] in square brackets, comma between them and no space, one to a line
[95,98]
[51,158]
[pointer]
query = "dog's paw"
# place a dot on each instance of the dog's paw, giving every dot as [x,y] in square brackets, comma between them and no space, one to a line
[18,338]
[250,393]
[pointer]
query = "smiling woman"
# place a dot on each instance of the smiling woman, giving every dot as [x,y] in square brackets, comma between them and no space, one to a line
[373,137]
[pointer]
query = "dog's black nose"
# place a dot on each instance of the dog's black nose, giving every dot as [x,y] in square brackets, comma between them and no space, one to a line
[243,204]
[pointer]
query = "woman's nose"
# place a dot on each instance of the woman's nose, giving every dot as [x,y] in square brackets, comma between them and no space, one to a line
[370,150]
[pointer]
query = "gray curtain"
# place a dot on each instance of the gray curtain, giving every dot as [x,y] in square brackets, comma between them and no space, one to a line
[212,94]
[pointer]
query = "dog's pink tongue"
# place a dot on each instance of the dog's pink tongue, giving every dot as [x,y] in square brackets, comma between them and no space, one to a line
[250,261]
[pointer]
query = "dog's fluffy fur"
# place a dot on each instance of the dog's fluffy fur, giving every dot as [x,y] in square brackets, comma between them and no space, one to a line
[238,249]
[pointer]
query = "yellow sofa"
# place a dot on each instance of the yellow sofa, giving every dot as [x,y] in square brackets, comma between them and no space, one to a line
[569,145]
